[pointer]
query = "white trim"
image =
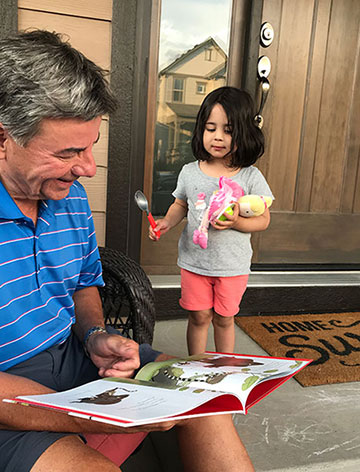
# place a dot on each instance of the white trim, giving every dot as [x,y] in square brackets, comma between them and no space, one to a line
[279,279]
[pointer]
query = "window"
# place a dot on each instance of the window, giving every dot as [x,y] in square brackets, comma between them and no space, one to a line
[201,87]
[178,90]
[183,80]
[208,54]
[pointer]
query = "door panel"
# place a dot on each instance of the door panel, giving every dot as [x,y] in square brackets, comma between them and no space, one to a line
[311,239]
[310,126]
[284,108]
[336,101]
[311,122]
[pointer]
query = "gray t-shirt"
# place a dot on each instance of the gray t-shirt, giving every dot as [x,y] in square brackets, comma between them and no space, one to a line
[228,252]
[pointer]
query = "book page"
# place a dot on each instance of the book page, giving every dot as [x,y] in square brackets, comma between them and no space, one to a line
[132,401]
[210,383]
[233,373]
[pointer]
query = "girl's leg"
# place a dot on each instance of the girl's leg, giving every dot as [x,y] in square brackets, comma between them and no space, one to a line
[197,330]
[228,292]
[224,333]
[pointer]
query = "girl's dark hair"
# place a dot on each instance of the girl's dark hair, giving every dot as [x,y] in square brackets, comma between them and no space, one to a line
[247,138]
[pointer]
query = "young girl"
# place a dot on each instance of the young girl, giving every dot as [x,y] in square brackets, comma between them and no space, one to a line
[226,142]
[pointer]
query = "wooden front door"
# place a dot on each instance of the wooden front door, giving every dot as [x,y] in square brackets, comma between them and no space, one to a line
[311,124]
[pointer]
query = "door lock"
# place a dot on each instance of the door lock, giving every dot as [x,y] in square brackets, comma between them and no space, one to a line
[266,35]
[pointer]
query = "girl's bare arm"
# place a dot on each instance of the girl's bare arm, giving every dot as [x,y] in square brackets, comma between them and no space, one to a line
[245,225]
[176,213]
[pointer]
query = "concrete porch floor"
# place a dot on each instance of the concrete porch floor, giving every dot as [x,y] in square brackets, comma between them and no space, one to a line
[295,428]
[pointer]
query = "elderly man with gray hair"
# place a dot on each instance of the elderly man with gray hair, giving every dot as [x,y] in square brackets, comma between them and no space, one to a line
[52,333]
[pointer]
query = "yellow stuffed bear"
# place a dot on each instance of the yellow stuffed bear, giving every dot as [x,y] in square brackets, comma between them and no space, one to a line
[250,205]
[254,205]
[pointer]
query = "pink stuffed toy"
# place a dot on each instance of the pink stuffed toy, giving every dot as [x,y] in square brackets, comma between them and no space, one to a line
[229,192]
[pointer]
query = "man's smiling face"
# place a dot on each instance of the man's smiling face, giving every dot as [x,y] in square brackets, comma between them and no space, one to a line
[46,167]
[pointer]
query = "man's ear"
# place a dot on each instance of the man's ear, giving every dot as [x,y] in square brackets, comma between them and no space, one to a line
[3,140]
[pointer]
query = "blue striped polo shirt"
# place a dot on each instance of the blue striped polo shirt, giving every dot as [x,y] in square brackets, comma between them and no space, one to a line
[40,269]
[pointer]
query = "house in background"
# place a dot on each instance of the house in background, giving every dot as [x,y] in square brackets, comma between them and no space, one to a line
[183,86]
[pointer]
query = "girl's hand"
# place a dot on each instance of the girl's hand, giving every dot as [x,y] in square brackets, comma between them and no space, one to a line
[176,212]
[230,221]
[162,225]
[251,224]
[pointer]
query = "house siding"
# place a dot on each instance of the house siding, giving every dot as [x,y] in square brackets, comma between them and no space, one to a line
[88,25]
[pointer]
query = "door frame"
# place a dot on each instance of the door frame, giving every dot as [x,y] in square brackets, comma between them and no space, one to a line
[131,48]
[9,17]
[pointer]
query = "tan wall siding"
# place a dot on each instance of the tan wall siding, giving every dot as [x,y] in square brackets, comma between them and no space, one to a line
[88,26]
[199,64]
[84,8]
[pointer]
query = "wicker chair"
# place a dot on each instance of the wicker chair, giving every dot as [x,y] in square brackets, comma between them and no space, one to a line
[128,298]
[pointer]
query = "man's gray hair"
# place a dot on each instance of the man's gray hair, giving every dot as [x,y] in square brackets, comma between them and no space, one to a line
[42,76]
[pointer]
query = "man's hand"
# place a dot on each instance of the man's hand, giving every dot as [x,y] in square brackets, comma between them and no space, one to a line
[114,355]
[148,428]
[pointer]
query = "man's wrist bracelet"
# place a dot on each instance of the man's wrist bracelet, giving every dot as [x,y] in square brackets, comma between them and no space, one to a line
[89,333]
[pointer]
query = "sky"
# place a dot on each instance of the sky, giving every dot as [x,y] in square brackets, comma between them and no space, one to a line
[185,23]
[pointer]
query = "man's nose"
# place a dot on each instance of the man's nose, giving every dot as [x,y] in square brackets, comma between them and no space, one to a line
[86,165]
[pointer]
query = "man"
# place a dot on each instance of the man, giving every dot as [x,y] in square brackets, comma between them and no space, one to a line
[52,334]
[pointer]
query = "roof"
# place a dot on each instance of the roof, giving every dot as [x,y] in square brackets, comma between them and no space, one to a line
[218,72]
[183,110]
[185,56]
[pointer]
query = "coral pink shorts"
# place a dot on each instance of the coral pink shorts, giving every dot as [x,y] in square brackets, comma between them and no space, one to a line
[201,292]
[116,447]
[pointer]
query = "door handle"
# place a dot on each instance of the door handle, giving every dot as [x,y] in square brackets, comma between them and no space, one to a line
[263,70]
[264,91]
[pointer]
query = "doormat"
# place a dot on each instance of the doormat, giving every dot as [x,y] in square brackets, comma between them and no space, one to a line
[332,340]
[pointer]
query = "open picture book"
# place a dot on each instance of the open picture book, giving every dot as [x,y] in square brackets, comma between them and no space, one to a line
[199,385]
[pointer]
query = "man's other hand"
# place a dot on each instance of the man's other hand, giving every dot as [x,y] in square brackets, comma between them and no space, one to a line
[114,355]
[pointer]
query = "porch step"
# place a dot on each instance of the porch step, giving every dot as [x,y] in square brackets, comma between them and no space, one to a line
[278,279]
[274,292]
